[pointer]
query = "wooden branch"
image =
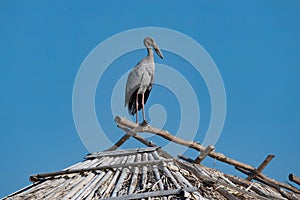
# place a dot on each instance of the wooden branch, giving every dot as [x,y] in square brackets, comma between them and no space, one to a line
[219,156]
[248,184]
[203,154]
[38,177]
[271,182]
[224,192]
[194,145]
[146,142]
[121,141]
[211,181]
[137,137]
[294,178]
[185,158]
[161,193]
[260,168]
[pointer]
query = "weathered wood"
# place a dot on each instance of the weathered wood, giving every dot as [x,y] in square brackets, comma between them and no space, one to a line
[260,168]
[224,192]
[24,189]
[113,181]
[271,182]
[124,174]
[38,177]
[156,174]
[165,134]
[137,137]
[105,181]
[144,141]
[167,172]
[203,154]
[144,172]
[250,185]
[154,194]
[289,195]
[294,178]
[89,188]
[121,141]
[120,152]
[209,180]
[185,158]
[194,145]
[76,189]
[134,179]
[246,184]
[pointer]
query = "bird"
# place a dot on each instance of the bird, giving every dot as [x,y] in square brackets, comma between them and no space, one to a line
[140,81]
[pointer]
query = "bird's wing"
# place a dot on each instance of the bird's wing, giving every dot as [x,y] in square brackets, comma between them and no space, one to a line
[133,83]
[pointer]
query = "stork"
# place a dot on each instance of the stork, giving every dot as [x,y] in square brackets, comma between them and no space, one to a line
[140,81]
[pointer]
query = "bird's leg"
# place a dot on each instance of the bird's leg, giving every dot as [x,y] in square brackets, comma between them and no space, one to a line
[143,110]
[137,106]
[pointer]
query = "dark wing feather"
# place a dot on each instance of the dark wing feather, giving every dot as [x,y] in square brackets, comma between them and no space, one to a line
[132,106]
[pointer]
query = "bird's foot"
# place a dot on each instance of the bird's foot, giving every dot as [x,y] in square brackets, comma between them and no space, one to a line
[144,123]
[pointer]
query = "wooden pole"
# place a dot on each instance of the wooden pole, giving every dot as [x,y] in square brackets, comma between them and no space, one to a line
[37,177]
[165,134]
[294,178]
[219,156]
[271,182]
[150,195]
[137,137]
[121,141]
[185,158]
[260,168]
[211,181]
[203,154]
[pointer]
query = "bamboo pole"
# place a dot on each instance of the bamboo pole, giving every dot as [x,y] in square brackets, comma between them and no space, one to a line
[219,156]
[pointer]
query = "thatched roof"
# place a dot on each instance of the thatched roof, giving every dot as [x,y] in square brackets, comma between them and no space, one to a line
[143,173]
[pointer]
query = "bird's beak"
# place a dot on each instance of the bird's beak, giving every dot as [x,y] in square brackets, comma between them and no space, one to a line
[159,53]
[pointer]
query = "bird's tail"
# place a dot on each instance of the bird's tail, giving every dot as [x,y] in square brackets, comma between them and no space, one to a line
[132,102]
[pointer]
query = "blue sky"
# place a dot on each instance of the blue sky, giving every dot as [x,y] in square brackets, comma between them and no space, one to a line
[43,43]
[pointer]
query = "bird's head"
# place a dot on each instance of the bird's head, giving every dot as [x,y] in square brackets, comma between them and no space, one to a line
[149,42]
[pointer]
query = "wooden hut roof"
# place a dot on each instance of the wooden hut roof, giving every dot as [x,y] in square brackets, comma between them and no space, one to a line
[143,173]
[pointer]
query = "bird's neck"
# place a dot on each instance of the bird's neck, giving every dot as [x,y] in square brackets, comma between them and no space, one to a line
[150,52]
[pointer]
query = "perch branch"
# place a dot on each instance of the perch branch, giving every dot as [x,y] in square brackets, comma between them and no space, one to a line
[219,156]
[165,134]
